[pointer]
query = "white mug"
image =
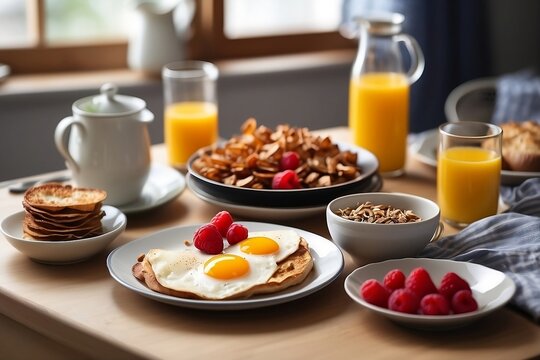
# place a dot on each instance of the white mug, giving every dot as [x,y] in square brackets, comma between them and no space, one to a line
[109,145]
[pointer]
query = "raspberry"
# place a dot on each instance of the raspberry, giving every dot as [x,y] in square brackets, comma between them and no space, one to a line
[404,300]
[236,233]
[420,282]
[290,160]
[452,283]
[208,239]
[287,179]
[375,293]
[394,279]
[434,304]
[463,302]
[222,220]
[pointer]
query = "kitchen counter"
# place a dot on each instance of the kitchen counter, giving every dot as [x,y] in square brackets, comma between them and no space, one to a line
[82,311]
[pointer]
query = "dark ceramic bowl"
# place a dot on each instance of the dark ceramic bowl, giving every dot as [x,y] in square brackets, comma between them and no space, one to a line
[367,162]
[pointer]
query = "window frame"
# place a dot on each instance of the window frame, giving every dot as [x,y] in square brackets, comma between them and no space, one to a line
[208,43]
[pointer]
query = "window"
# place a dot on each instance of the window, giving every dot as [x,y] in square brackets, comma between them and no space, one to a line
[68,35]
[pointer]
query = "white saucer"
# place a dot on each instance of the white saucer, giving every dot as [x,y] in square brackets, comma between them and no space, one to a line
[424,148]
[164,184]
[273,213]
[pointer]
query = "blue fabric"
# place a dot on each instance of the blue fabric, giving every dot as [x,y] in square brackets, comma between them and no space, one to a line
[518,97]
[508,242]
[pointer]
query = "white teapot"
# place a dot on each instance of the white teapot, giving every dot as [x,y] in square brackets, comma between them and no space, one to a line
[109,145]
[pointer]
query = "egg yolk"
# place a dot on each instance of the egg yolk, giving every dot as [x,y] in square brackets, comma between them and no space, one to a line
[259,245]
[226,266]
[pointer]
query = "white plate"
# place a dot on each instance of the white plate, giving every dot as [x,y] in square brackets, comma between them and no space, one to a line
[273,213]
[424,148]
[491,289]
[164,184]
[327,258]
[63,252]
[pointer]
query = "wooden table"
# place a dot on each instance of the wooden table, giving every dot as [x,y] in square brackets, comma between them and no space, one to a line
[79,310]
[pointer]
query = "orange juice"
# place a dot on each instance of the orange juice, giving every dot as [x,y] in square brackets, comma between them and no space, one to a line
[188,127]
[468,183]
[379,117]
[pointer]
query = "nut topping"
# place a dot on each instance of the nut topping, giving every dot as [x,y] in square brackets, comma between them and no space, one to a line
[378,214]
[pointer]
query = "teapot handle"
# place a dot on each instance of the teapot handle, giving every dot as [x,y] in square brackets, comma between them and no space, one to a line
[417,57]
[61,140]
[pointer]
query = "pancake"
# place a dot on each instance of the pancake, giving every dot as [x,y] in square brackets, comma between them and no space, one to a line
[291,271]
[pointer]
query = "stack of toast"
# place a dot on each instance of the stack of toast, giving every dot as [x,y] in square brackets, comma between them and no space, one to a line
[56,212]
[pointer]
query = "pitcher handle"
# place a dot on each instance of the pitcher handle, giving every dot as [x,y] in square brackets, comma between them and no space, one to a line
[417,57]
[61,141]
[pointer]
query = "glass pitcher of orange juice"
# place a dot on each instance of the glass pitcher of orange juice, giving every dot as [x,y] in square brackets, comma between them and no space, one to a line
[379,89]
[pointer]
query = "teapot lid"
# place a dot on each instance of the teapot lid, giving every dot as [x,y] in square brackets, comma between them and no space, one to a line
[109,103]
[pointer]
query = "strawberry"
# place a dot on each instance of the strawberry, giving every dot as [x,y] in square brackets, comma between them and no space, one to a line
[404,300]
[394,279]
[222,220]
[463,302]
[208,239]
[420,282]
[452,283]
[236,233]
[434,304]
[375,293]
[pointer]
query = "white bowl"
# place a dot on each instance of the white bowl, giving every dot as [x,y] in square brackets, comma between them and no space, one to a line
[492,289]
[63,252]
[374,242]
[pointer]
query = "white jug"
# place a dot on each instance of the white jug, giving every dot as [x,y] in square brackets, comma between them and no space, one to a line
[109,145]
[158,34]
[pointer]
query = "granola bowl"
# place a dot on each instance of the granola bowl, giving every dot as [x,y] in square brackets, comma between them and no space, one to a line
[309,196]
[385,237]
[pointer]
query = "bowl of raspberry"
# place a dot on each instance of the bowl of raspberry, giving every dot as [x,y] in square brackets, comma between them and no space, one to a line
[379,226]
[429,293]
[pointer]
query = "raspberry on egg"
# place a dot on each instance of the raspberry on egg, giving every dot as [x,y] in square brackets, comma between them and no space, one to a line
[222,220]
[208,239]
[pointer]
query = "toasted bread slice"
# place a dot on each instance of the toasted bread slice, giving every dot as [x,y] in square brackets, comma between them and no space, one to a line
[57,197]
[291,271]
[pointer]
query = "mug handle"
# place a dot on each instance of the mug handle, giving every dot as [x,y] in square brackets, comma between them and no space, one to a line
[61,141]
[417,57]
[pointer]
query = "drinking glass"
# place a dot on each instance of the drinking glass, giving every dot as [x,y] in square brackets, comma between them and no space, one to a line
[468,171]
[191,111]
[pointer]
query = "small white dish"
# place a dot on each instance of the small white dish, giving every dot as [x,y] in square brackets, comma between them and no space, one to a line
[492,289]
[164,184]
[373,242]
[424,148]
[272,213]
[327,266]
[63,252]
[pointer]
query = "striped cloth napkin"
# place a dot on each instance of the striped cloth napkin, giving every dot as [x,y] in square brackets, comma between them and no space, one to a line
[508,242]
[518,97]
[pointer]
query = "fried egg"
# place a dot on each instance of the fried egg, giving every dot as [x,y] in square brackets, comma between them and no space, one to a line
[240,267]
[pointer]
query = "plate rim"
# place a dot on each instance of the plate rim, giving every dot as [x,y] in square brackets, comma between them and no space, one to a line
[431,321]
[428,136]
[177,179]
[258,301]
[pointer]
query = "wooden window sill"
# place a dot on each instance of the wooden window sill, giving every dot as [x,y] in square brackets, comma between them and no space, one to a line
[36,83]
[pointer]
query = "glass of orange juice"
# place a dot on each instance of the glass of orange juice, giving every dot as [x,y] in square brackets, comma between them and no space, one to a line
[191,111]
[468,171]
